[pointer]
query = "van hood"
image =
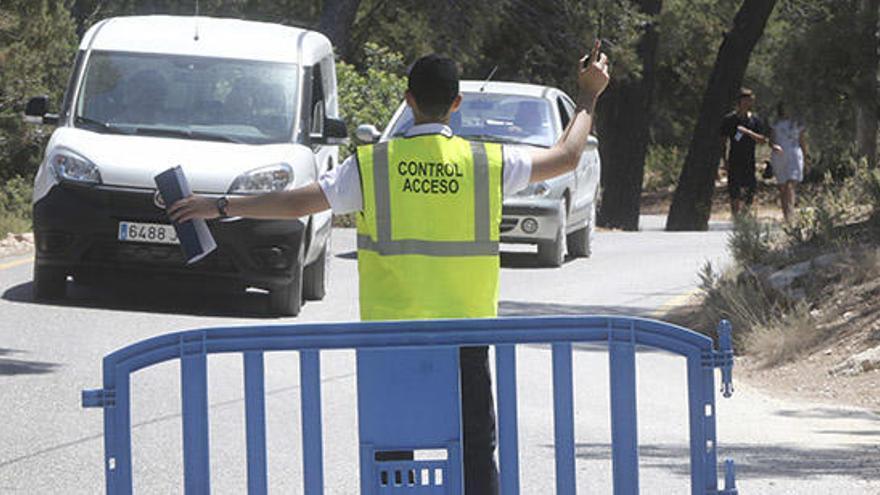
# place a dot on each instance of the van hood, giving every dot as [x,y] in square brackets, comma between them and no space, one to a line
[210,166]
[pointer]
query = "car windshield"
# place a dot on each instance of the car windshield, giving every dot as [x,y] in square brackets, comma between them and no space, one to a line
[188,97]
[496,118]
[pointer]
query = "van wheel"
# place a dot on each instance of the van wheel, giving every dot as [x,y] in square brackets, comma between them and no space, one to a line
[287,300]
[315,277]
[50,283]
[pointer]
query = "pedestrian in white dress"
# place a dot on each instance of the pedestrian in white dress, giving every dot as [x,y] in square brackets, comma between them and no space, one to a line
[788,166]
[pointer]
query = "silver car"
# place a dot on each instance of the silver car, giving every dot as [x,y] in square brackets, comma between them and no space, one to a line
[558,215]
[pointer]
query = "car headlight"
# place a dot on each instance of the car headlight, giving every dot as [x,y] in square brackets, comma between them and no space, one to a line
[70,166]
[536,190]
[264,179]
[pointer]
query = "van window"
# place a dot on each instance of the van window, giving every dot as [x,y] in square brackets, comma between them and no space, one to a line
[71,85]
[317,107]
[189,97]
[564,112]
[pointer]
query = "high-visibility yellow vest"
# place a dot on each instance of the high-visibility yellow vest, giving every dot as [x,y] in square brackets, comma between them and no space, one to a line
[428,232]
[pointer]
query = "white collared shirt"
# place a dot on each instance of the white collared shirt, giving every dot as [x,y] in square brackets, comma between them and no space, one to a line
[342,185]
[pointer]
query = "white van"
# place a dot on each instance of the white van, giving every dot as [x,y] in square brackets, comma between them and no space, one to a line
[244,107]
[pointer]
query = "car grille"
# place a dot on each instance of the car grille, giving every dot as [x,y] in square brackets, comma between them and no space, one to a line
[146,256]
[508,224]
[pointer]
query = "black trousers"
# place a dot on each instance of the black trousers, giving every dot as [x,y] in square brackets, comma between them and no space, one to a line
[478,424]
[478,418]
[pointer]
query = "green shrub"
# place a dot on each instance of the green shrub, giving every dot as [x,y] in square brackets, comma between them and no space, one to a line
[662,167]
[15,205]
[751,241]
[371,93]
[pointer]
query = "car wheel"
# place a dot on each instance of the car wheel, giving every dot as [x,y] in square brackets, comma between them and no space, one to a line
[287,299]
[580,241]
[50,282]
[552,253]
[315,276]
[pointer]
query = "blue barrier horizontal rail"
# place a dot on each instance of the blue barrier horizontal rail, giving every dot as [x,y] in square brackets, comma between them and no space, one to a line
[622,335]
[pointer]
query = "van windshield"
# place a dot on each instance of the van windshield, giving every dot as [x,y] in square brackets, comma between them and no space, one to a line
[496,118]
[188,97]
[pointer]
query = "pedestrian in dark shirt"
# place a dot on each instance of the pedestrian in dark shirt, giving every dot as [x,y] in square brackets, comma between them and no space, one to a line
[743,130]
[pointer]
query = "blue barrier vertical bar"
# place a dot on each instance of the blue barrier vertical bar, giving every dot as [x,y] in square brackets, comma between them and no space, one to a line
[710,452]
[194,396]
[624,424]
[508,441]
[563,418]
[313,455]
[255,417]
[696,411]
[117,438]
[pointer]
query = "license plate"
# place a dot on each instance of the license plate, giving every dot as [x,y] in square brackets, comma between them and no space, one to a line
[155,233]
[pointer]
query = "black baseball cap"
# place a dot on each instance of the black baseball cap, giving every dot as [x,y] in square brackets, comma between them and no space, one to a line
[433,81]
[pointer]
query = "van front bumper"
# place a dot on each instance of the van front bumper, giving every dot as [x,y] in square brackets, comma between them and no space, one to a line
[530,220]
[76,226]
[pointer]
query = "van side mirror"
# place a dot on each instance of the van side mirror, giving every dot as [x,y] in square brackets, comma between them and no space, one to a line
[334,132]
[37,111]
[367,133]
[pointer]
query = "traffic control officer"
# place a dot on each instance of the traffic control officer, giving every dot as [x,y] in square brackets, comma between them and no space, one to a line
[429,211]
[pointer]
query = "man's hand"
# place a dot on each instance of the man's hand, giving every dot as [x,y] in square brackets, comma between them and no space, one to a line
[193,207]
[593,73]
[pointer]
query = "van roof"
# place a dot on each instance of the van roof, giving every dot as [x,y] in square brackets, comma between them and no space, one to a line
[225,38]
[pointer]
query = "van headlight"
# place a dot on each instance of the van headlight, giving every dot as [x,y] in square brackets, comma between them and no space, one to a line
[536,190]
[70,166]
[264,179]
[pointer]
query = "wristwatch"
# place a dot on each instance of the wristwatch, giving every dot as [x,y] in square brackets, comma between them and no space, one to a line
[222,203]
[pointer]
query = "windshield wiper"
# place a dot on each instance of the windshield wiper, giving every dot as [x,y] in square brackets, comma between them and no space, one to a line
[102,126]
[185,134]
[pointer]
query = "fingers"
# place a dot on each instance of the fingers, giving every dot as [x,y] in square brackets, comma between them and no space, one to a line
[597,50]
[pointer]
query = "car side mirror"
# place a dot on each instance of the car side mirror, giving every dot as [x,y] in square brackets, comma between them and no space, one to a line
[334,132]
[367,133]
[37,111]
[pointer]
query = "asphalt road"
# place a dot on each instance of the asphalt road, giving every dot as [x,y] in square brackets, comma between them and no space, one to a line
[49,352]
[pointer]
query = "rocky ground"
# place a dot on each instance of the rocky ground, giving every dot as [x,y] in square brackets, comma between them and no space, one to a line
[16,244]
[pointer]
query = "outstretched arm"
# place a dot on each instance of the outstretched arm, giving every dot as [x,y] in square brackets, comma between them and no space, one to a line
[296,203]
[564,155]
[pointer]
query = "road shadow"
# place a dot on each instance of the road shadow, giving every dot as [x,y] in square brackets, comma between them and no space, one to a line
[11,366]
[828,413]
[757,461]
[171,297]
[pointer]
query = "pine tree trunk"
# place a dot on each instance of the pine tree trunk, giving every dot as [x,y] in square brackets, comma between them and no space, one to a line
[692,203]
[623,120]
[867,111]
[337,17]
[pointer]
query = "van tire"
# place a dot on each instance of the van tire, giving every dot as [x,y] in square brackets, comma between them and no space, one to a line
[287,300]
[315,277]
[50,283]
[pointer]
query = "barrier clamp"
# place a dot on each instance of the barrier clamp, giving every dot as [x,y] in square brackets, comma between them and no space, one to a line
[99,397]
[722,358]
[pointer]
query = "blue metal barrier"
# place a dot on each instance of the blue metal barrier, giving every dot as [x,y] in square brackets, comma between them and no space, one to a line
[620,334]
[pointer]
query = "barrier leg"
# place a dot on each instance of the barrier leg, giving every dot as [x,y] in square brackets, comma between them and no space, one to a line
[508,442]
[255,416]
[563,419]
[313,453]
[194,395]
[624,435]
[117,438]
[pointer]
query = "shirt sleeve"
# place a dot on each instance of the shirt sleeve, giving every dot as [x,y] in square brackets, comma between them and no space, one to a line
[342,187]
[517,169]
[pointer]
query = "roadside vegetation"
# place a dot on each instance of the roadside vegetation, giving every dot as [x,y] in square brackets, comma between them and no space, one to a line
[809,288]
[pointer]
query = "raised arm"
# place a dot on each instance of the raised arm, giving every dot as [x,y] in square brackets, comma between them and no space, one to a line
[564,155]
[296,203]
